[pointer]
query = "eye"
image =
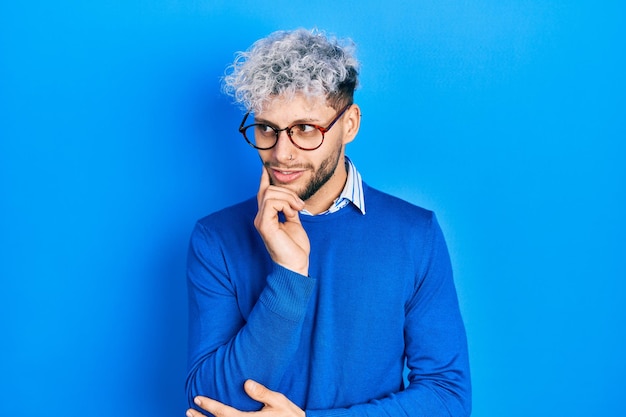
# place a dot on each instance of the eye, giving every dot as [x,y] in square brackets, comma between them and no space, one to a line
[305,129]
[265,130]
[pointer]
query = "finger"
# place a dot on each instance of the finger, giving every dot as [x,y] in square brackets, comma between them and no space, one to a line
[267,218]
[263,185]
[259,392]
[215,407]
[293,216]
[278,205]
[266,187]
[194,413]
[273,192]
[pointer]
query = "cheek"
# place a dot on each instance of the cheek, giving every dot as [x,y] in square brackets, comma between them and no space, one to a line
[266,157]
[331,159]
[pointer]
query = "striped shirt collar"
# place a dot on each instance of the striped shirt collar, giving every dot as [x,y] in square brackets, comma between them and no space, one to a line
[352,192]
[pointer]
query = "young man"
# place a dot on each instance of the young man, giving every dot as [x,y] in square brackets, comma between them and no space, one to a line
[315,296]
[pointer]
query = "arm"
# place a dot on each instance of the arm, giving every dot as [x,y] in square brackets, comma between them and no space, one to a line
[225,348]
[435,343]
[436,350]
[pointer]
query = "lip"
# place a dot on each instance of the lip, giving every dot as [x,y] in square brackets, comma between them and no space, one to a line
[285,176]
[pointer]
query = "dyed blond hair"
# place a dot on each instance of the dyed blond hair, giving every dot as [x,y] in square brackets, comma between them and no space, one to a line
[287,63]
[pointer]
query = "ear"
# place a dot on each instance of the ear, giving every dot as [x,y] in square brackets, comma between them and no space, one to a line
[351,123]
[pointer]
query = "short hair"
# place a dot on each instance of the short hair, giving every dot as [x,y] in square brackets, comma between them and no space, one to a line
[287,63]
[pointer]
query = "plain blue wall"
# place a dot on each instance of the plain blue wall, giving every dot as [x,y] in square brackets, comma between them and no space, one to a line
[508,118]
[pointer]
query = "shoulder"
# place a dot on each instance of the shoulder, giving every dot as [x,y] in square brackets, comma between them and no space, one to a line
[232,216]
[230,223]
[394,208]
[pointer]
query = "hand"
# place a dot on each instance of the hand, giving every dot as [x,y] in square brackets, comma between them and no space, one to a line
[286,242]
[275,404]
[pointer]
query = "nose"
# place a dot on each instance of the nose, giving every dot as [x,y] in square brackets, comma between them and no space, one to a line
[284,150]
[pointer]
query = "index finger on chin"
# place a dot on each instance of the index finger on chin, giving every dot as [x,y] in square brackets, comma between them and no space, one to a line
[263,185]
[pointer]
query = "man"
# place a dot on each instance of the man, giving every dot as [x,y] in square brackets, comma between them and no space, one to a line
[315,296]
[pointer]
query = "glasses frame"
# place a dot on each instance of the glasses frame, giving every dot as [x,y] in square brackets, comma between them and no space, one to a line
[288,130]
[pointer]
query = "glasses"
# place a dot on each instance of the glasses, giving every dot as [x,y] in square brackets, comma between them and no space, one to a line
[305,136]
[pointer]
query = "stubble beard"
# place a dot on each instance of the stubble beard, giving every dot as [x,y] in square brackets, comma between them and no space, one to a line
[323,174]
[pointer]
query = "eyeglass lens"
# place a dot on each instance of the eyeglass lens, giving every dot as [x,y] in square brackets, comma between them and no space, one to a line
[303,135]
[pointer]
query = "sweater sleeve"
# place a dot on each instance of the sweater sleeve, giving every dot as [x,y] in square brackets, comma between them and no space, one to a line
[226,348]
[435,347]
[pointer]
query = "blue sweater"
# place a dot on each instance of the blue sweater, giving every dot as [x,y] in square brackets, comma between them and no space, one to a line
[380,296]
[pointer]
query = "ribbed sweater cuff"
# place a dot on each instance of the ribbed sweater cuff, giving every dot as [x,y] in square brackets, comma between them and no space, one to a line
[287,293]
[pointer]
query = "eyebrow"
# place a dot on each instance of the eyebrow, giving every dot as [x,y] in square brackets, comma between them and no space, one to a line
[295,122]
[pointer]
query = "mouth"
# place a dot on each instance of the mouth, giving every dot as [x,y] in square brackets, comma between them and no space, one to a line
[285,176]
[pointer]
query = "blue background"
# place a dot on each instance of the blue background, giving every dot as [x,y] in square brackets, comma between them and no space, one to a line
[508,118]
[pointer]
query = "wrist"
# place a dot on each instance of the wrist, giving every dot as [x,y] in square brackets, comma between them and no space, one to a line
[298,269]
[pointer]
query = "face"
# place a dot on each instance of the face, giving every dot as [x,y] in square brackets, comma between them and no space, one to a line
[317,176]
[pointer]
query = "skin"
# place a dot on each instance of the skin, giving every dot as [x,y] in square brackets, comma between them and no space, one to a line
[286,186]
[309,164]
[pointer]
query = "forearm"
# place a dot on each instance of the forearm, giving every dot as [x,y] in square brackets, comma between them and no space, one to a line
[418,400]
[261,349]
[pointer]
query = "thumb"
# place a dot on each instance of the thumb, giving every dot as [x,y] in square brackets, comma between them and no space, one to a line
[256,391]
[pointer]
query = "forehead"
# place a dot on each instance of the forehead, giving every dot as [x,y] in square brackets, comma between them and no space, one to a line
[282,108]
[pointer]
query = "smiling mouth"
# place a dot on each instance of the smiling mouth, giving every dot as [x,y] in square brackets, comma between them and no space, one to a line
[286,176]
